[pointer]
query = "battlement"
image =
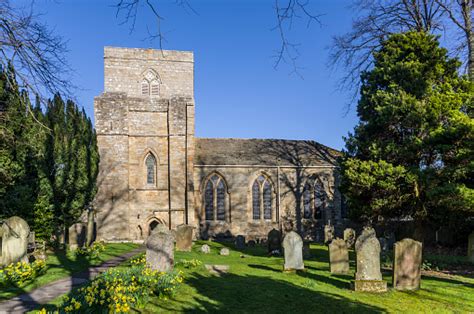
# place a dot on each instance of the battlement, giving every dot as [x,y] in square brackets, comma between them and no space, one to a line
[149,72]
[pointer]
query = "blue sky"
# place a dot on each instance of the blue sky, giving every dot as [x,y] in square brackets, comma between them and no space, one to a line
[238,93]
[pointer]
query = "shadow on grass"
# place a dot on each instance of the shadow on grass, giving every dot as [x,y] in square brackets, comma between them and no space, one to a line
[252,294]
[449,280]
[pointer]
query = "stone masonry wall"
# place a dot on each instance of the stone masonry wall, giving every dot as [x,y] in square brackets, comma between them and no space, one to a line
[239,182]
[129,127]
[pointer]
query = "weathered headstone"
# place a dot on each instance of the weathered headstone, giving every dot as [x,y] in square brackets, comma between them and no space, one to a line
[217,269]
[160,250]
[14,233]
[205,249]
[470,247]
[368,276]
[328,233]
[251,243]
[274,241]
[184,238]
[224,251]
[338,256]
[349,237]
[240,242]
[76,235]
[293,249]
[407,265]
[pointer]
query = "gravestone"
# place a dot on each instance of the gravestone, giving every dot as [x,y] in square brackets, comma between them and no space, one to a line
[407,264]
[368,276]
[205,249]
[470,247]
[251,243]
[76,236]
[184,238]
[274,241]
[224,251]
[240,242]
[160,250]
[217,269]
[338,256]
[349,237]
[293,249]
[328,233]
[14,233]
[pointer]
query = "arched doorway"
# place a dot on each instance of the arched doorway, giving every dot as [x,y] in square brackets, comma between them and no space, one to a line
[153,224]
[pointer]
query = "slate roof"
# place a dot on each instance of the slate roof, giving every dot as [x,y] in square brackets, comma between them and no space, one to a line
[271,152]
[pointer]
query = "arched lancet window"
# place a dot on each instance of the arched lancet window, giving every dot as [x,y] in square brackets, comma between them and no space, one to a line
[319,199]
[314,199]
[215,198]
[150,163]
[307,208]
[145,88]
[155,88]
[262,199]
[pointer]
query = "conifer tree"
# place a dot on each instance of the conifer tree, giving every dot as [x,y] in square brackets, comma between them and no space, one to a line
[410,156]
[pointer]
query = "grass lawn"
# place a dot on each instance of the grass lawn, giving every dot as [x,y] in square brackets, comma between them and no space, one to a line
[256,284]
[61,264]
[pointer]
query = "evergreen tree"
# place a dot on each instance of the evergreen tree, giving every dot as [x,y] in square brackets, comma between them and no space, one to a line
[48,161]
[411,153]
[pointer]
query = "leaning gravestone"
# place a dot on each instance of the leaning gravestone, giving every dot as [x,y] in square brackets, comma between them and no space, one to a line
[407,264]
[368,276]
[240,242]
[293,249]
[205,249]
[349,237]
[470,247]
[76,236]
[184,238]
[160,250]
[14,233]
[328,233]
[274,241]
[338,256]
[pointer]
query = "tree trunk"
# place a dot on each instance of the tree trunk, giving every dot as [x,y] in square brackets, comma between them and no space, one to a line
[90,226]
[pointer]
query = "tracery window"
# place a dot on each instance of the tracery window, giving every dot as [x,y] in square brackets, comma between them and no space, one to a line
[314,200]
[150,163]
[215,192]
[150,85]
[262,198]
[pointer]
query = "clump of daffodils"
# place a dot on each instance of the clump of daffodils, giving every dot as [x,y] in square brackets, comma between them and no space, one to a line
[91,251]
[119,289]
[21,272]
[192,263]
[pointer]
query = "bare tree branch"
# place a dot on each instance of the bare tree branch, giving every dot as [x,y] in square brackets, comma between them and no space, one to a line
[285,14]
[35,52]
[376,20]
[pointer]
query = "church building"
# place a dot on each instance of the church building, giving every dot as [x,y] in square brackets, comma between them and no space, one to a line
[153,170]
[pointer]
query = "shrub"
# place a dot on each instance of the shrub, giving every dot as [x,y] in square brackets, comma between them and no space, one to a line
[21,272]
[119,289]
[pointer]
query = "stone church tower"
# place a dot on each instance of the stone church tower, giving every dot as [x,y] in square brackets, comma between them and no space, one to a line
[154,171]
[145,132]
